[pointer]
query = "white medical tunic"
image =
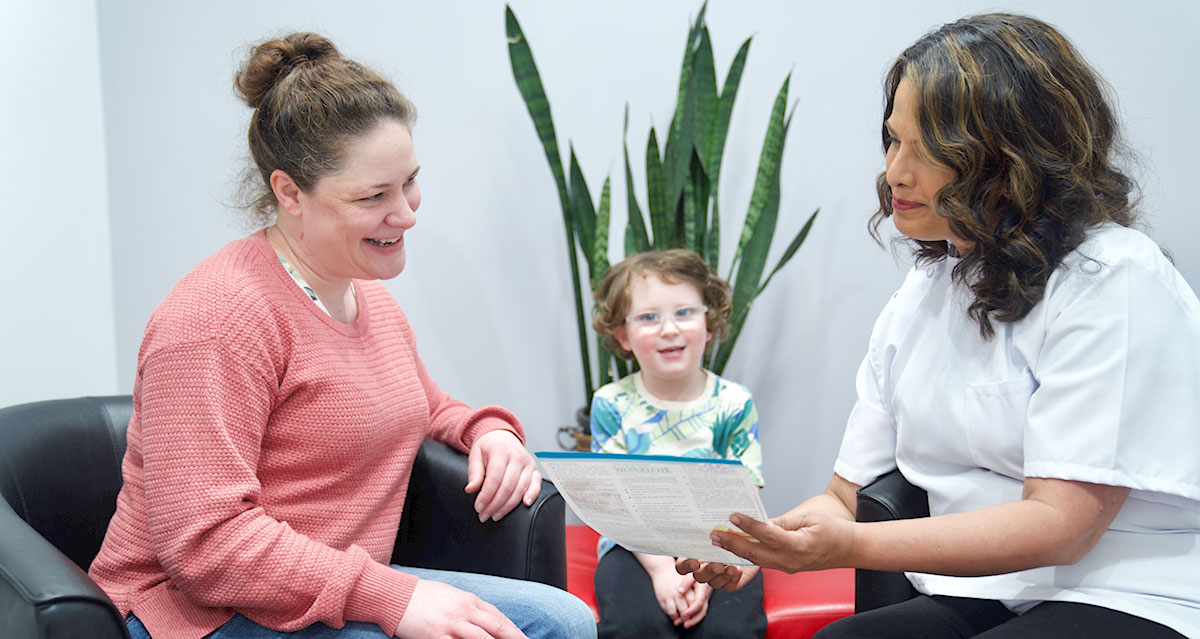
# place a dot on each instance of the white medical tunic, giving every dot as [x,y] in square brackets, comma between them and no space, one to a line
[1099,383]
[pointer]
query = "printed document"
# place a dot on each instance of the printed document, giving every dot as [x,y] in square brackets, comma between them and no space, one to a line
[656,504]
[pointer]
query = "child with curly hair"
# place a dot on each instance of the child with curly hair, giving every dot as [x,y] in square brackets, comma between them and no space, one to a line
[664,308]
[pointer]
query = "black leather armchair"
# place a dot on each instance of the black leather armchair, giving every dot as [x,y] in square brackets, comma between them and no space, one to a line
[887,498]
[440,528]
[60,471]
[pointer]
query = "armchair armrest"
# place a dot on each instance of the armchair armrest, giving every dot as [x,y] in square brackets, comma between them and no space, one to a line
[43,594]
[440,528]
[887,498]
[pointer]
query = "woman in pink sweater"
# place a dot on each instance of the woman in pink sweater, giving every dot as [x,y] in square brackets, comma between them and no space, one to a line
[280,401]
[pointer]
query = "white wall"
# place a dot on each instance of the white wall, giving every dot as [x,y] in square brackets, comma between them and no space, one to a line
[56,304]
[484,286]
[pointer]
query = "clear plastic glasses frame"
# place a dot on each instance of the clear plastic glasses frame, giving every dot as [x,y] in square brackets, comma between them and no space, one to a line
[682,317]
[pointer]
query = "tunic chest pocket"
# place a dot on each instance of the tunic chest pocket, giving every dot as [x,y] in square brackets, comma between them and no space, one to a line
[996,416]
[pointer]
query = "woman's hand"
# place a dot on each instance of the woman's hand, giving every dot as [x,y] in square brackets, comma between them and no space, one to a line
[802,539]
[1056,522]
[727,578]
[438,611]
[503,473]
[822,527]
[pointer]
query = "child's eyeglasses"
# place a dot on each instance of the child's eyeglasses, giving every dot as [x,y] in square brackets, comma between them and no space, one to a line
[685,317]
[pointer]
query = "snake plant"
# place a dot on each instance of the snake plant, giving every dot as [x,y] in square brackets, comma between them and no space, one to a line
[681,189]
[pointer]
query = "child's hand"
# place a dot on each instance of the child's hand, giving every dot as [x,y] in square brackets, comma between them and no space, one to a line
[678,596]
[697,594]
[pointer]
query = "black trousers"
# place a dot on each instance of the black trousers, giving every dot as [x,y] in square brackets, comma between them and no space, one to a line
[940,617]
[629,609]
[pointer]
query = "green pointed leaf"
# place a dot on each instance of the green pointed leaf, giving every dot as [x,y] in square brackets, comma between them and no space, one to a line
[724,112]
[754,257]
[753,260]
[746,288]
[712,242]
[599,248]
[529,83]
[690,213]
[703,94]
[695,207]
[768,167]
[583,213]
[699,21]
[680,135]
[636,240]
[791,250]
[661,219]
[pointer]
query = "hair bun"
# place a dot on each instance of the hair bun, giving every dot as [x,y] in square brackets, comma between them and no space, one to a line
[271,61]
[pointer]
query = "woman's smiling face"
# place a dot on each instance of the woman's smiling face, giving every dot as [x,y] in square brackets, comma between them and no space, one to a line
[351,224]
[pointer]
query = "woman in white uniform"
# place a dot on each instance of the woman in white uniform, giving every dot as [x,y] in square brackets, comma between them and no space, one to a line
[1038,372]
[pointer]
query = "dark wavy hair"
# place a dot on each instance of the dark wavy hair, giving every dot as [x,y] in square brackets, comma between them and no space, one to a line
[674,266]
[1025,123]
[309,104]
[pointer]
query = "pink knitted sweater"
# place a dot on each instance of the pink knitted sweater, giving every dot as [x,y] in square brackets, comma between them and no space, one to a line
[269,454]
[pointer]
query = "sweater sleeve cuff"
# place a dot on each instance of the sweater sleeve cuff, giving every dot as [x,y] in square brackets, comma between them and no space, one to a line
[488,419]
[381,596]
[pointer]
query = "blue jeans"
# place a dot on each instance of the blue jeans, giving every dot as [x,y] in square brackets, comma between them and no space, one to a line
[540,611]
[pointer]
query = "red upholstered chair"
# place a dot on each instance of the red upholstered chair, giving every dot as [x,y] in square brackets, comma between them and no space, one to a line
[801,604]
[581,565]
[796,605]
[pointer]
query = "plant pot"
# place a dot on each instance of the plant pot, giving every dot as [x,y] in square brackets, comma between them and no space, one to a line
[577,437]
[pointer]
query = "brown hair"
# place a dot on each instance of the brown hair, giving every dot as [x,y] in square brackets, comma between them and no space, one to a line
[674,266]
[1008,104]
[309,104]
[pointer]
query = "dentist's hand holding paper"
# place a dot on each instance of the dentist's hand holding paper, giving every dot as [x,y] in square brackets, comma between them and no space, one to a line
[815,535]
